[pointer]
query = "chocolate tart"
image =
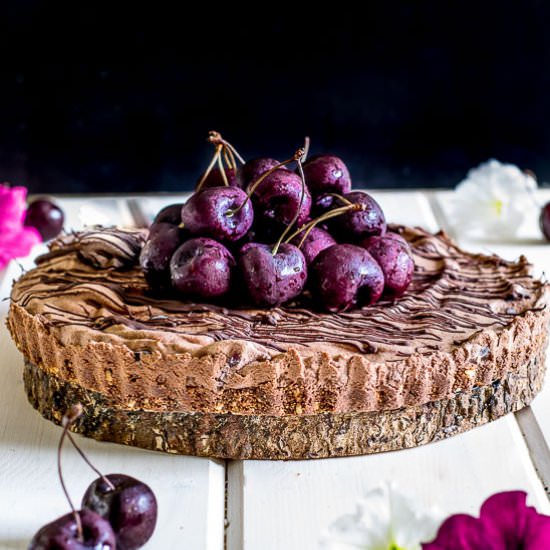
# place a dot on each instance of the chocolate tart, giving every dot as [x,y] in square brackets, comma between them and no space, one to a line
[465,345]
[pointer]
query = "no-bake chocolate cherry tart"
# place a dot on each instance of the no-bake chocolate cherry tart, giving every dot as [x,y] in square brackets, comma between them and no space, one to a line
[277,314]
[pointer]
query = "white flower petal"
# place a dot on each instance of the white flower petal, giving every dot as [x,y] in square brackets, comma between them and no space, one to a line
[384,517]
[493,201]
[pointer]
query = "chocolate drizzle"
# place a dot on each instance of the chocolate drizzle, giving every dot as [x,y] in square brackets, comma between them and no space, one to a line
[90,280]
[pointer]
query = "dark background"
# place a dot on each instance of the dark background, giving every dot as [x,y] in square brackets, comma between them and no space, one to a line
[101,98]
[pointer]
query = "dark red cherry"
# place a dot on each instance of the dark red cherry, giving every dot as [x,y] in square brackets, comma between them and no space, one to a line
[346,275]
[130,508]
[213,213]
[327,174]
[202,267]
[169,214]
[272,279]
[317,240]
[357,224]
[399,238]
[323,203]
[163,240]
[395,259]
[251,170]
[544,221]
[46,216]
[215,178]
[62,534]
[278,198]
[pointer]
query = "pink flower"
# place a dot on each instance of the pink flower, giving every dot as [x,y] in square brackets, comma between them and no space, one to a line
[505,523]
[15,239]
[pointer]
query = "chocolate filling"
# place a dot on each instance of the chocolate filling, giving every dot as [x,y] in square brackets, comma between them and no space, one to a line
[91,280]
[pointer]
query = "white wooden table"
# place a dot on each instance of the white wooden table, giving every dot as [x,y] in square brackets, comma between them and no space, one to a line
[253,505]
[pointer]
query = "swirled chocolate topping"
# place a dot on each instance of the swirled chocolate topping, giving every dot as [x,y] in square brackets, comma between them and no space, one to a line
[89,287]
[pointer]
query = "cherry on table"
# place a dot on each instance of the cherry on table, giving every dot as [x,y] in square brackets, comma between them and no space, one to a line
[222,213]
[46,217]
[272,279]
[202,267]
[130,508]
[395,259]
[345,275]
[62,533]
[327,174]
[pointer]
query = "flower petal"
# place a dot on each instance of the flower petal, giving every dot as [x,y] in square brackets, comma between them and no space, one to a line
[493,201]
[537,531]
[383,519]
[12,207]
[409,526]
[462,532]
[504,518]
[18,244]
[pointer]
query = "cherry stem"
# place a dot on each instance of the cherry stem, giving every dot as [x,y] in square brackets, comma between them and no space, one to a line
[307,143]
[68,418]
[106,480]
[301,152]
[339,197]
[323,217]
[222,171]
[216,137]
[229,159]
[252,187]
[209,168]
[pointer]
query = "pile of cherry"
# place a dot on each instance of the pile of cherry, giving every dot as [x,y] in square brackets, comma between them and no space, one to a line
[277,233]
[118,512]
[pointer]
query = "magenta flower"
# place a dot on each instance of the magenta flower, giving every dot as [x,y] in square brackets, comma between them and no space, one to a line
[505,523]
[15,239]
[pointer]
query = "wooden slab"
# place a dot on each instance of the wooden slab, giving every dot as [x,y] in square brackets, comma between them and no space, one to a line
[245,436]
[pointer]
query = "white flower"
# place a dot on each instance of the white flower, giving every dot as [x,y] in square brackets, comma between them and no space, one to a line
[383,520]
[493,201]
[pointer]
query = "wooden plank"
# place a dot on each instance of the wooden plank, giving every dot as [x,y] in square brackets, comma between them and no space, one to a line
[190,491]
[536,443]
[287,505]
